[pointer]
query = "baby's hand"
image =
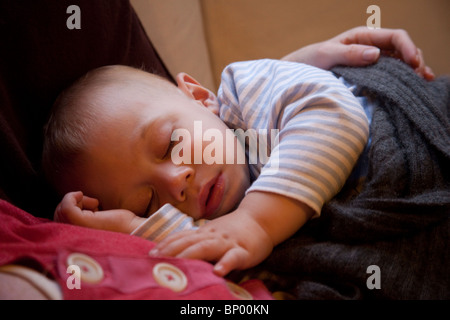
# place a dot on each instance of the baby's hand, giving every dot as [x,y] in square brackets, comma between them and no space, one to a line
[242,238]
[78,209]
[235,241]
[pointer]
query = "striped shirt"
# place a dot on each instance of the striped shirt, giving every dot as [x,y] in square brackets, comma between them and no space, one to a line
[321,128]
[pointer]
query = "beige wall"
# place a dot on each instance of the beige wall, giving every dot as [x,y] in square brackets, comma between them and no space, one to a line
[250,29]
[176,30]
[202,36]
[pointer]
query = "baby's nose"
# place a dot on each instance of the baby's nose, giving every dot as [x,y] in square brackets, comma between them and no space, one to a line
[178,180]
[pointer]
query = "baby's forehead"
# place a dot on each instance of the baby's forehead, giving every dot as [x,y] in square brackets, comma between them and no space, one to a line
[123,82]
[125,93]
[125,75]
[117,92]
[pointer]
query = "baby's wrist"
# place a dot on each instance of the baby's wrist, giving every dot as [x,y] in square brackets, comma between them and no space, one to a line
[277,215]
[135,222]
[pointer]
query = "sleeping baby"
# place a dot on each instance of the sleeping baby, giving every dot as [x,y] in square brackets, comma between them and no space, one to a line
[135,153]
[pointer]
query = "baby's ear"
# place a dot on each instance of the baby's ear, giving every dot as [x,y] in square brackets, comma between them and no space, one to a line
[193,89]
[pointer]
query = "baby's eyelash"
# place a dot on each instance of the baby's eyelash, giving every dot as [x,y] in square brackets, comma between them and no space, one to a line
[169,148]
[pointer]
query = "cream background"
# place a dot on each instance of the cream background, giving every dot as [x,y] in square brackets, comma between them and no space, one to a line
[202,36]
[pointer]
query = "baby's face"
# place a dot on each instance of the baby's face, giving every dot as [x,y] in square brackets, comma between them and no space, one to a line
[133,163]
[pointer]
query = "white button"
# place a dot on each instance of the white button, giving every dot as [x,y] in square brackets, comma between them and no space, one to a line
[91,271]
[239,292]
[169,276]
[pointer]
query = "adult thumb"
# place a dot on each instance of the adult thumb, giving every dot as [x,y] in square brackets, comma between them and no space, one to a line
[356,55]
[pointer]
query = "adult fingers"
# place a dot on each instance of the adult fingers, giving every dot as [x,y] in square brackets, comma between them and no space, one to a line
[393,42]
[396,41]
[355,55]
[422,69]
[386,39]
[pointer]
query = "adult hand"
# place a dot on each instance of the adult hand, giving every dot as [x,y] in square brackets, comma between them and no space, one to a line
[362,46]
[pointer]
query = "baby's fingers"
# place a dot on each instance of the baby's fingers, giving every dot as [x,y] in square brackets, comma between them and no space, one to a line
[191,245]
[89,203]
[233,259]
[68,207]
[173,244]
[210,249]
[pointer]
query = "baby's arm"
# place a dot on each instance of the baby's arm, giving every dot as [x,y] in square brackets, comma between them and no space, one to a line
[243,238]
[78,209]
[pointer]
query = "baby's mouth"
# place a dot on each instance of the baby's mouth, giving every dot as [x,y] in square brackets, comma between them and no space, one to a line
[211,196]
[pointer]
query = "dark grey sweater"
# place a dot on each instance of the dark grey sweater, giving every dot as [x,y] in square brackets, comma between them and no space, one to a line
[400,220]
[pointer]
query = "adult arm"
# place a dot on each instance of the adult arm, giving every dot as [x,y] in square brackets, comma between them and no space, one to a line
[362,46]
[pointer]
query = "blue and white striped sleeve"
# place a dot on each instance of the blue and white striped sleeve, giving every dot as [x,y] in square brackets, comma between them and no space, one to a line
[164,222]
[322,128]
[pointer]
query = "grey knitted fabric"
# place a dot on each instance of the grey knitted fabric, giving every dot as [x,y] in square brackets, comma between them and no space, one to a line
[400,220]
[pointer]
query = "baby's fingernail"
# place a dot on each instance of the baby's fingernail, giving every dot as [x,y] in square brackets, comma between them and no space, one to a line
[153,252]
[218,270]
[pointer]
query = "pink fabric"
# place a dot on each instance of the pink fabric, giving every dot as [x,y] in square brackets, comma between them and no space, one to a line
[45,245]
